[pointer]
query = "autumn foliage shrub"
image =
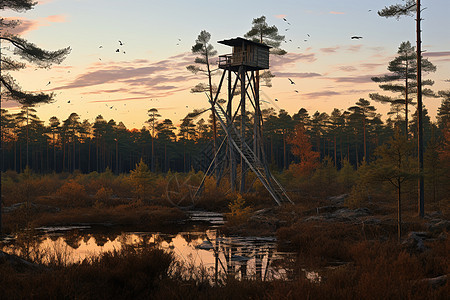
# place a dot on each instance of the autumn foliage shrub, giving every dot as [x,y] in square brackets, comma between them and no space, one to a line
[239,211]
[72,194]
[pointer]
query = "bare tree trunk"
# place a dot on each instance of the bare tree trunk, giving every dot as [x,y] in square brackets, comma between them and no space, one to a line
[399,212]
[421,192]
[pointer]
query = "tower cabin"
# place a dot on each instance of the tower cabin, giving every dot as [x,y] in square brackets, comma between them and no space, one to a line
[252,55]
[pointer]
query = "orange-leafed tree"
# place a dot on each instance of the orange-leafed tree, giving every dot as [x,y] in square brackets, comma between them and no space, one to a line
[302,149]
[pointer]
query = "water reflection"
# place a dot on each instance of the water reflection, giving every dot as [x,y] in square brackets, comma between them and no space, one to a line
[242,257]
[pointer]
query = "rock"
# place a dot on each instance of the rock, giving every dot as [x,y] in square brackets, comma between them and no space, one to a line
[436,282]
[262,211]
[443,236]
[414,240]
[438,225]
[345,213]
[338,200]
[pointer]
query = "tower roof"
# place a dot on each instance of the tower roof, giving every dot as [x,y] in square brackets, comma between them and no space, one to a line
[238,42]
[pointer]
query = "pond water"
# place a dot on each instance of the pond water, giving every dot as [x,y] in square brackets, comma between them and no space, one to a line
[244,257]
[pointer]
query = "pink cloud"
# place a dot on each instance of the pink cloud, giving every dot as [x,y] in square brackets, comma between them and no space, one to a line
[278,62]
[27,25]
[280,16]
[347,68]
[352,79]
[321,94]
[296,74]
[337,13]
[24,26]
[354,48]
[139,77]
[437,54]
[330,49]
[56,19]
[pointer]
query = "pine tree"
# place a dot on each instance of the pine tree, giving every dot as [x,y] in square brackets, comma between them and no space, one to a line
[28,52]
[394,164]
[403,80]
[364,111]
[206,51]
[153,114]
[261,32]
[407,9]
[443,115]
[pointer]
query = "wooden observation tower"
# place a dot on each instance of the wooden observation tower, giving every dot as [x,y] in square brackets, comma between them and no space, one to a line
[243,141]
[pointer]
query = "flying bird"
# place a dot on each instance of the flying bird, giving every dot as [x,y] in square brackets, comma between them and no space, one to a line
[356,37]
[48,83]
[291,81]
[101,47]
[308,35]
[68,101]
[117,50]
[276,99]
[296,91]
[120,43]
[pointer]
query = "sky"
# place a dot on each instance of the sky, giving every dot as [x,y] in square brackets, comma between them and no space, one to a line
[330,70]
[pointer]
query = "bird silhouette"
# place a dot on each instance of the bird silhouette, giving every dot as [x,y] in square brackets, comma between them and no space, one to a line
[284,19]
[356,37]
[117,50]
[308,35]
[101,47]
[68,101]
[48,83]
[296,91]
[120,43]
[276,99]
[291,81]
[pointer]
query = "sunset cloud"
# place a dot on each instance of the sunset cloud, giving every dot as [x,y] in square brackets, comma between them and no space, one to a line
[347,68]
[437,54]
[278,62]
[321,94]
[337,13]
[280,16]
[138,77]
[296,74]
[27,25]
[330,49]
[352,79]
[354,48]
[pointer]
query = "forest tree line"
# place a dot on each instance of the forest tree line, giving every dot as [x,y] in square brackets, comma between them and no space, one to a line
[72,144]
